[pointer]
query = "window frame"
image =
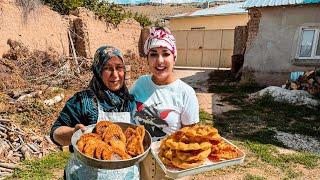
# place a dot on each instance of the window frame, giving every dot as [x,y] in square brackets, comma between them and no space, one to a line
[315,44]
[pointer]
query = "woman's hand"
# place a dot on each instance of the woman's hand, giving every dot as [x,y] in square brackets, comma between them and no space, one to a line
[79,126]
[63,134]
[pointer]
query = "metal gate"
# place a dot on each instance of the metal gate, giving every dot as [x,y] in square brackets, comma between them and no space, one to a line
[205,48]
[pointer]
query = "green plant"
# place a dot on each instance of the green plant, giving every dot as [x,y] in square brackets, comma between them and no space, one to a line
[253,177]
[142,19]
[269,153]
[64,6]
[205,118]
[42,168]
[110,12]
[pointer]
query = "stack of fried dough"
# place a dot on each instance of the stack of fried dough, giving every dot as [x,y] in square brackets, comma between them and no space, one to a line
[191,146]
[109,142]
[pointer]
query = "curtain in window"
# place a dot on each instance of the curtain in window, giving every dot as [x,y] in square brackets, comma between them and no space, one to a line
[306,43]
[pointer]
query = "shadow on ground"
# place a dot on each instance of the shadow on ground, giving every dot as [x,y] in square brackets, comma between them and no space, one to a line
[257,121]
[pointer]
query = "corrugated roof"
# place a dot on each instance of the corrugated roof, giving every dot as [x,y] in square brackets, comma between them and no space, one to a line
[269,3]
[227,9]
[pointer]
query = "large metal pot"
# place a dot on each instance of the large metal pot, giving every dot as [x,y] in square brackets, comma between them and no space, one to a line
[110,164]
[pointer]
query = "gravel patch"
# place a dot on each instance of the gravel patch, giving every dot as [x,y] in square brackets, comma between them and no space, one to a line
[298,97]
[299,142]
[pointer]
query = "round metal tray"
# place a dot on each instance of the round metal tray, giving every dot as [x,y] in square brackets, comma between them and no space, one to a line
[110,164]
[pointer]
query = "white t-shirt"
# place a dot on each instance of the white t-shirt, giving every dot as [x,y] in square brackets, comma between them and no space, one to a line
[163,109]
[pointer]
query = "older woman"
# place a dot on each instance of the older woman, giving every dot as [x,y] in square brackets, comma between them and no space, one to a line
[107,98]
[164,104]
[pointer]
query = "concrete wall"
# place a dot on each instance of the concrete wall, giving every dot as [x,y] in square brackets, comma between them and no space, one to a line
[271,55]
[44,28]
[210,23]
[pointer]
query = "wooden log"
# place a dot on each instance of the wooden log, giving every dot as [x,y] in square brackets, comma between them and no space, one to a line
[9,166]
[6,169]
[3,135]
[3,129]
[21,139]
[48,139]
[18,148]
[31,95]
[5,174]
[9,143]
[26,152]
[5,120]
[34,148]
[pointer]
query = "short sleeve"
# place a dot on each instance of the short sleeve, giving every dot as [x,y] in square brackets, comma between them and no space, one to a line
[190,112]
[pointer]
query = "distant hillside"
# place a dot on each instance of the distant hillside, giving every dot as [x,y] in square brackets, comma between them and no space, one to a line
[167,1]
[158,12]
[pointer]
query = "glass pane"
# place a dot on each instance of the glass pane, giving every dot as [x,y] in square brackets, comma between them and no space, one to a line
[306,43]
[318,48]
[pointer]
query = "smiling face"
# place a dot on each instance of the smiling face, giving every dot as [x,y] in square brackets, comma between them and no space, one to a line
[161,62]
[113,74]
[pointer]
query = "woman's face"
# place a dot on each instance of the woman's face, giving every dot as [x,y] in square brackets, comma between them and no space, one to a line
[113,74]
[161,62]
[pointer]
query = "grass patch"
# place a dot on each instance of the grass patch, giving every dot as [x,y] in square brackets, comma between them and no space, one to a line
[205,117]
[269,153]
[42,168]
[253,177]
[255,119]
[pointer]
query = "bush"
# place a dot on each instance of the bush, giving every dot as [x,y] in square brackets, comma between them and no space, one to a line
[112,13]
[142,19]
[64,6]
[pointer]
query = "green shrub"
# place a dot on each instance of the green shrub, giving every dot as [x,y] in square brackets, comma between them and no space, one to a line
[64,6]
[142,19]
[110,12]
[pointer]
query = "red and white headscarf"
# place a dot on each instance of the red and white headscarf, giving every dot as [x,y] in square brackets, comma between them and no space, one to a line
[160,38]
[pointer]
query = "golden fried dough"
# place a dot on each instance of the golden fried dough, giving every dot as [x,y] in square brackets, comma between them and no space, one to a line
[187,147]
[84,138]
[101,126]
[135,140]
[109,142]
[113,132]
[193,155]
[191,146]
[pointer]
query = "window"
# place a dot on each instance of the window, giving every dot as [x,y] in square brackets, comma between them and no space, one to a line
[309,44]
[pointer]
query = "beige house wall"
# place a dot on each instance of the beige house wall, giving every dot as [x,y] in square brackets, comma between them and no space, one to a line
[209,22]
[210,47]
[271,56]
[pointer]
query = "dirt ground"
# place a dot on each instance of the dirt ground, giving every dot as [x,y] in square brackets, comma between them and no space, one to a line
[209,102]
[253,167]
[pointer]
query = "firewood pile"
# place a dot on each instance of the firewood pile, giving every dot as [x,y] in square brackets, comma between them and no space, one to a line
[308,81]
[17,144]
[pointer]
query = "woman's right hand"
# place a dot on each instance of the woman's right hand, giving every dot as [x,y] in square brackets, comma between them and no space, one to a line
[79,126]
[63,134]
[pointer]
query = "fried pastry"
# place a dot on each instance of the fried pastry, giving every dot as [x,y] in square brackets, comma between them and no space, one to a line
[109,142]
